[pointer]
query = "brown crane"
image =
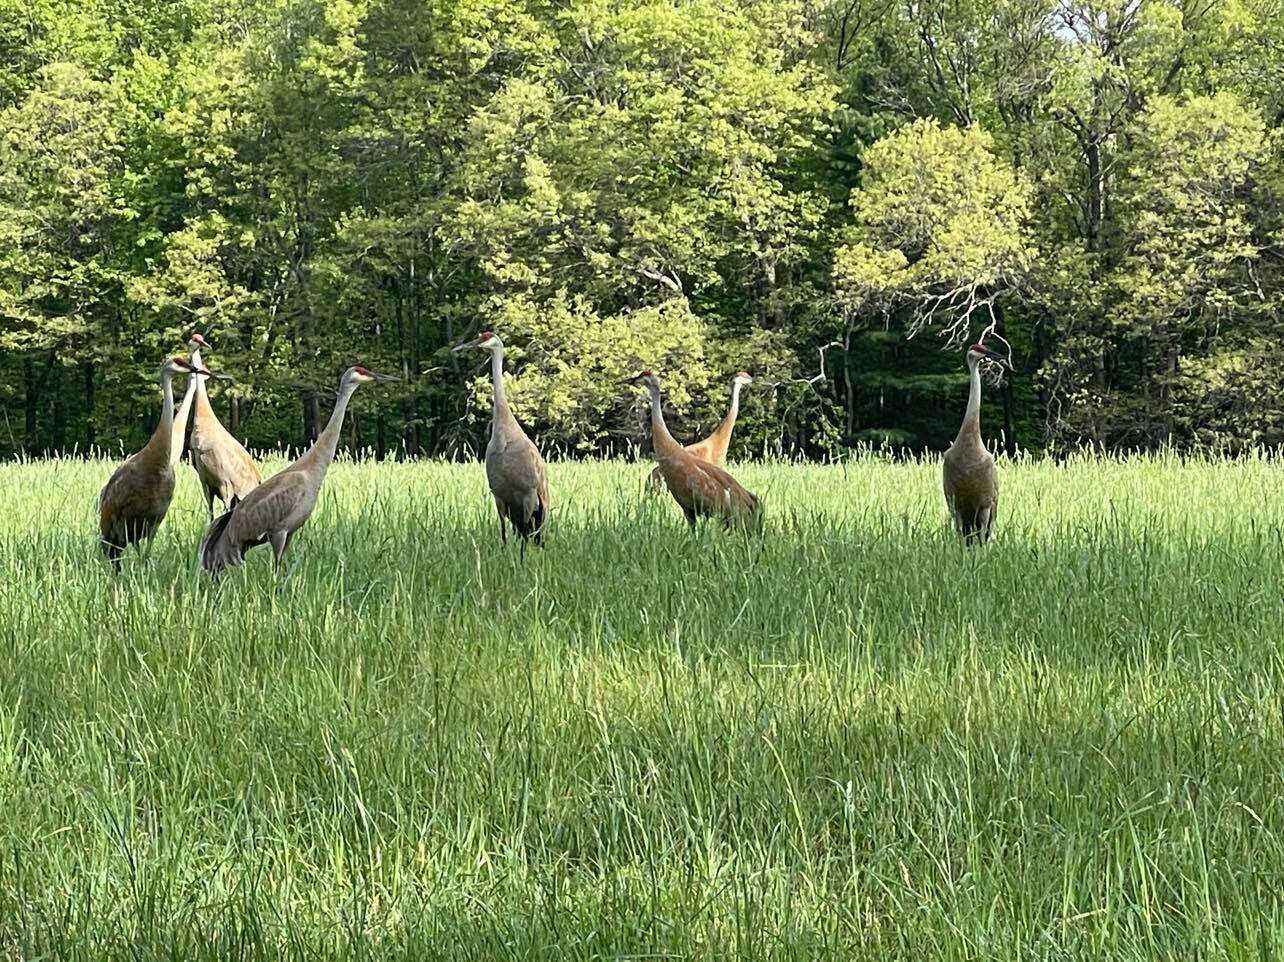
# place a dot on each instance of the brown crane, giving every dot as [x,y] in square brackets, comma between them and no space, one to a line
[278,507]
[970,481]
[700,488]
[224,466]
[713,448]
[515,471]
[136,497]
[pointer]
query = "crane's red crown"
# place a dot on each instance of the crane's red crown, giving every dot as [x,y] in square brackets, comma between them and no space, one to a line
[977,347]
[195,336]
[646,373]
[364,372]
[744,374]
[485,335]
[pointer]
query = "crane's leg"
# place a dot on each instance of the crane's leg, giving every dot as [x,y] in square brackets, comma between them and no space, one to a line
[503,531]
[691,517]
[280,540]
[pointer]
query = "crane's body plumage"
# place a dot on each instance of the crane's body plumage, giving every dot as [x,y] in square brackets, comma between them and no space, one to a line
[700,488]
[274,510]
[224,467]
[713,449]
[515,471]
[136,498]
[968,476]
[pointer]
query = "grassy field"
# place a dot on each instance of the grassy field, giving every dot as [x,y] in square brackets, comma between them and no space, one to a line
[851,738]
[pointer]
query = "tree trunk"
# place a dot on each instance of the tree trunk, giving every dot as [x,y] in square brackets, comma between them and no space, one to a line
[1009,418]
[415,359]
[1166,394]
[90,432]
[58,438]
[1096,194]
[32,396]
[311,417]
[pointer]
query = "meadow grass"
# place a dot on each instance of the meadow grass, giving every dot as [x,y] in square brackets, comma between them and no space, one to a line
[849,738]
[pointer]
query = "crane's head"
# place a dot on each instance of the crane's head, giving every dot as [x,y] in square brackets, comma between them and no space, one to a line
[646,378]
[979,352]
[181,365]
[197,343]
[486,339]
[742,378]
[363,375]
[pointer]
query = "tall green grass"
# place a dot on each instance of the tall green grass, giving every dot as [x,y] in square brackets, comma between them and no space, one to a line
[849,738]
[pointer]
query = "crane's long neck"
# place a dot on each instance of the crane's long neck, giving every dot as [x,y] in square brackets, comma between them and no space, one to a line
[163,436]
[322,452]
[203,397]
[721,437]
[661,440]
[497,381]
[179,427]
[971,426]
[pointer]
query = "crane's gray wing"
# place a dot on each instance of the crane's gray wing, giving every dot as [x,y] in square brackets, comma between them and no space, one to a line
[268,507]
[265,510]
[514,469]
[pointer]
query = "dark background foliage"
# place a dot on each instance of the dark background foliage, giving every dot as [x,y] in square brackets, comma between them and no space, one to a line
[834,194]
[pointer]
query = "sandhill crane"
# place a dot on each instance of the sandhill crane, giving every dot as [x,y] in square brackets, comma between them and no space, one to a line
[224,466]
[713,448]
[136,497]
[970,481]
[278,507]
[514,469]
[700,488]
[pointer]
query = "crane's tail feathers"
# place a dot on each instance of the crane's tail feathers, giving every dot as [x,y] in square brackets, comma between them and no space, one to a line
[216,552]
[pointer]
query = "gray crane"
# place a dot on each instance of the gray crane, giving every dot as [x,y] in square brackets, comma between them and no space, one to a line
[278,507]
[967,471]
[224,466]
[514,469]
[135,499]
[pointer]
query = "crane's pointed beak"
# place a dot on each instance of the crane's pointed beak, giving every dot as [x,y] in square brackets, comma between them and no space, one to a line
[467,345]
[385,378]
[1002,359]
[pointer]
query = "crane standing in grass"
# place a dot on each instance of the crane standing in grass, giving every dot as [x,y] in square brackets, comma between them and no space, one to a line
[700,488]
[970,481]
[136,497]
[713,448]
[224,466]
[514,469]
[278,507]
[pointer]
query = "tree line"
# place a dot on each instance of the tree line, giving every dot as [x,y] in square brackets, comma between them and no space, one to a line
[833,194]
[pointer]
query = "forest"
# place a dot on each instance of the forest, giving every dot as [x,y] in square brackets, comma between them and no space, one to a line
[835,195]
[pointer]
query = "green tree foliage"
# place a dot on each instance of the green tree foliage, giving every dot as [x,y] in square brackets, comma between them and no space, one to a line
[832,193]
